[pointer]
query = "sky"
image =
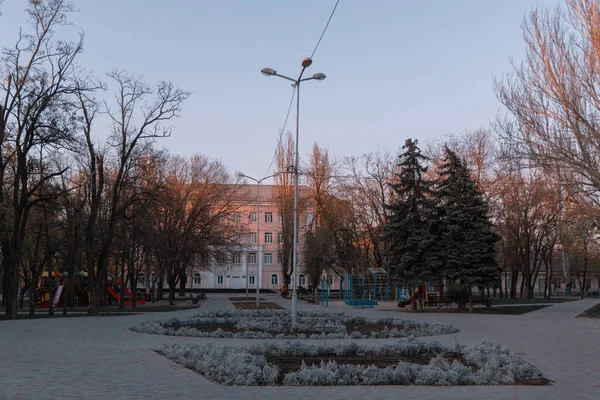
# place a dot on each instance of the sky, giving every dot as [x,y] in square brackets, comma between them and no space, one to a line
[396,69]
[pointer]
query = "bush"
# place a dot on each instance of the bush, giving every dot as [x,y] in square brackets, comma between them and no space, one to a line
[489,364]
[259,324]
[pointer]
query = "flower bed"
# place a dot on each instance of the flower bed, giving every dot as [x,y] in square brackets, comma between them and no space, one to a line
[274,324]
[407,362]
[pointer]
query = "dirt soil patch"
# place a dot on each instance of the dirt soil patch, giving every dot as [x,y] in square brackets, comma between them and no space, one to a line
[244,299]
[294,363]
[366,329]
[266,305]
[506,310]
[363,328]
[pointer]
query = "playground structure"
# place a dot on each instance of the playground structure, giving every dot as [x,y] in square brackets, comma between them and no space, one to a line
[54,290]
[114,293]
[406,296]
[364,290]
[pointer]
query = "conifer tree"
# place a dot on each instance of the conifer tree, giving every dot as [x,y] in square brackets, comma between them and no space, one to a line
[467,242]
[408,232]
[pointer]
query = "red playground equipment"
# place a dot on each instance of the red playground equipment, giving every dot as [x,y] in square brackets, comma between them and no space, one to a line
[128,293]
[46,293]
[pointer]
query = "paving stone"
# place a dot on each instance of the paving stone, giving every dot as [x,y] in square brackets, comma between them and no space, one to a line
[97,358]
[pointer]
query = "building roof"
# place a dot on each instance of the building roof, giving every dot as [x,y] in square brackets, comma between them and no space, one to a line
[267,193]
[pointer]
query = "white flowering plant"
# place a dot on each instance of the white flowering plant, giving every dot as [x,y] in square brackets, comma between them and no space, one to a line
[482,363]
[276,324]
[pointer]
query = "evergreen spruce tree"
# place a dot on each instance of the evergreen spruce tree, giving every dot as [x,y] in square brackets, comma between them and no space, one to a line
[408,232]
[468,240]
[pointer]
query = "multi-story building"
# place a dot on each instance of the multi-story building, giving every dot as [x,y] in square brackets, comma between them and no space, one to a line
[257,260]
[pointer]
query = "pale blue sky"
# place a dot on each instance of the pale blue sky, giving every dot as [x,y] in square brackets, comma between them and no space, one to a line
[395,68]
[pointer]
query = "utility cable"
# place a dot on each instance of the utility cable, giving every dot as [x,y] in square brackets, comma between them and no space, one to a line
[294,91]
[325,30]
[287,116]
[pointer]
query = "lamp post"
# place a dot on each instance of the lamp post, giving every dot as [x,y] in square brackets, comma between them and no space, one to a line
[296,83]
[258,182]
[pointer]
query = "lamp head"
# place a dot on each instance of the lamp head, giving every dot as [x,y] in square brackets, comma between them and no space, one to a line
[240,175]
[268,71]
[319,76]
[306,62]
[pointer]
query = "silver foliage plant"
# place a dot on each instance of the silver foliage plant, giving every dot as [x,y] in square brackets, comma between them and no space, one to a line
[275,324]
[489,364]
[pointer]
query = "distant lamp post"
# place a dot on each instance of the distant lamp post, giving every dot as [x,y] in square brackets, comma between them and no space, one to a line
[296,83]
[258,182]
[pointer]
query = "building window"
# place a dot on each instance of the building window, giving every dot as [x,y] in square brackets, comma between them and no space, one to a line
[251,258]
[252,237]
[219,279]
[251,280]
[280,218]
[280,238]
[279,258]
[236,217]
[235,258]
[274,280]
[309,218]
[302,280]
[197,279]
[269,217]
[330,281]
[268,258]
[268,237]
[252,218]
[220,258]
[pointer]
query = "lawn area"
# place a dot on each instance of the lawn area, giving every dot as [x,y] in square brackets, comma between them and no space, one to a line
[593,312]
[508,310]
[40,315]
[108,311]
[535,300]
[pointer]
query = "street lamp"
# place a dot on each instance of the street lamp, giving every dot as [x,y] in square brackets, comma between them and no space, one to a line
[296,83]
[258,182]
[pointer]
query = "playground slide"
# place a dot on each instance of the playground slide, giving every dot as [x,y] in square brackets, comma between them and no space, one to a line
[116,296]
[138,300]
[57,295]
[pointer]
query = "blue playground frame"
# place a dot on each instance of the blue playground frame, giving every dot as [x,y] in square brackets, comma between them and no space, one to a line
[363,290]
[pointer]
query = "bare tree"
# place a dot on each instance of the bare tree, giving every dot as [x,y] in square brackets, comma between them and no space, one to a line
[190,221]
[553,96]
[32,117]
[140,115]
[284,193]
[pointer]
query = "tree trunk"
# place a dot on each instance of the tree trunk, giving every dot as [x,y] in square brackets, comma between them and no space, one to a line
[22,295]
[182,282]
[172,287]
[420,301]
[470,302]
[159,295]
[11,277]
[122,289]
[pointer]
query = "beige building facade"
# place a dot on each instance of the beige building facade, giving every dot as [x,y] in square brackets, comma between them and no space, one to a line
[256,262]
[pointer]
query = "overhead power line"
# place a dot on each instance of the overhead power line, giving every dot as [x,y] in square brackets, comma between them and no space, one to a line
[325,30]
[287,116]
[294,91]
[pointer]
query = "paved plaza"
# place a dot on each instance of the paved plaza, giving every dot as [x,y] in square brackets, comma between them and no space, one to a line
[99,358]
